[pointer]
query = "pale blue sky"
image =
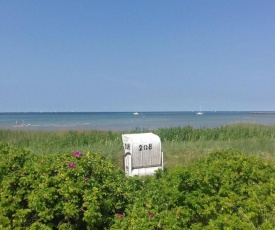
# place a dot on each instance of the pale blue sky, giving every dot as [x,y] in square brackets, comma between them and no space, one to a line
[137,55]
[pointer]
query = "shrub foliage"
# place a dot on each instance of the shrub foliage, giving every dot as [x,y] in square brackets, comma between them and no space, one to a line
[58,191]
[226,189]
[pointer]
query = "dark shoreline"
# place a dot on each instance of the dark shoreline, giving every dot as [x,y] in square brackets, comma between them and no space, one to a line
[262,112]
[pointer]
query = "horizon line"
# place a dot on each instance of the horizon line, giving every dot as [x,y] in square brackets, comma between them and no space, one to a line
[156,111]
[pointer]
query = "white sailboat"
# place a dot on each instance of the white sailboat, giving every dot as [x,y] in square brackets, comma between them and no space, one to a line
[200,112]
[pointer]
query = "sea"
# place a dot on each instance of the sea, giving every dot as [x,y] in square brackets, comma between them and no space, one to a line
[129,121]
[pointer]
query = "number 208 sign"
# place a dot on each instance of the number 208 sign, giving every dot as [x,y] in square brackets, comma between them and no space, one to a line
[141,147]
[145,147]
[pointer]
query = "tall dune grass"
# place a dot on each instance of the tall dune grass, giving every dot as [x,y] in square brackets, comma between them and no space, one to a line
[181,145]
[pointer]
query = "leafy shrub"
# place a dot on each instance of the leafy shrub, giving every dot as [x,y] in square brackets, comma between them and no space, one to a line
[225,190]
[58,191]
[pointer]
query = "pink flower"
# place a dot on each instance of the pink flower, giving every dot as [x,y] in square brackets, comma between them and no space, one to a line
[119,215]
[86,180]
[150,214]
[71,164]
[77,154]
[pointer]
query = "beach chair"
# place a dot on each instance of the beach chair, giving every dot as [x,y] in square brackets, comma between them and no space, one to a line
[142,154]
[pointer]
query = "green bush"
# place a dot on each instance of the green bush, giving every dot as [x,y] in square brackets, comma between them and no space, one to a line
[58,191]
[225,190]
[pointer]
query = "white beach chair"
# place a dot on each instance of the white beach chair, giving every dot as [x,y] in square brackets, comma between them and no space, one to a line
[143,155]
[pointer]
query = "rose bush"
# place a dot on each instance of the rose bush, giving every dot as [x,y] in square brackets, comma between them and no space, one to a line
[83,190]
[225,190]
[58,191]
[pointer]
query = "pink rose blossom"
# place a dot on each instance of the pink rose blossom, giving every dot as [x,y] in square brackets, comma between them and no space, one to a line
[119,215]
[71,164]
[77,154]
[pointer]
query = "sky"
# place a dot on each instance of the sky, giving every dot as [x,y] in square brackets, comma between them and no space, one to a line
[137,55]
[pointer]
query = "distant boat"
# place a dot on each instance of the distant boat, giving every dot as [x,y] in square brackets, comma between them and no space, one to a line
[136,113]
[200,112]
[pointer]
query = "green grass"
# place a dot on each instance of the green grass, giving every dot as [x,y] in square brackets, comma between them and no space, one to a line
[183,153]
[181,146]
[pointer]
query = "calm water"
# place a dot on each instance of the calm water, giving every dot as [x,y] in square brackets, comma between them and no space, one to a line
[126,121]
